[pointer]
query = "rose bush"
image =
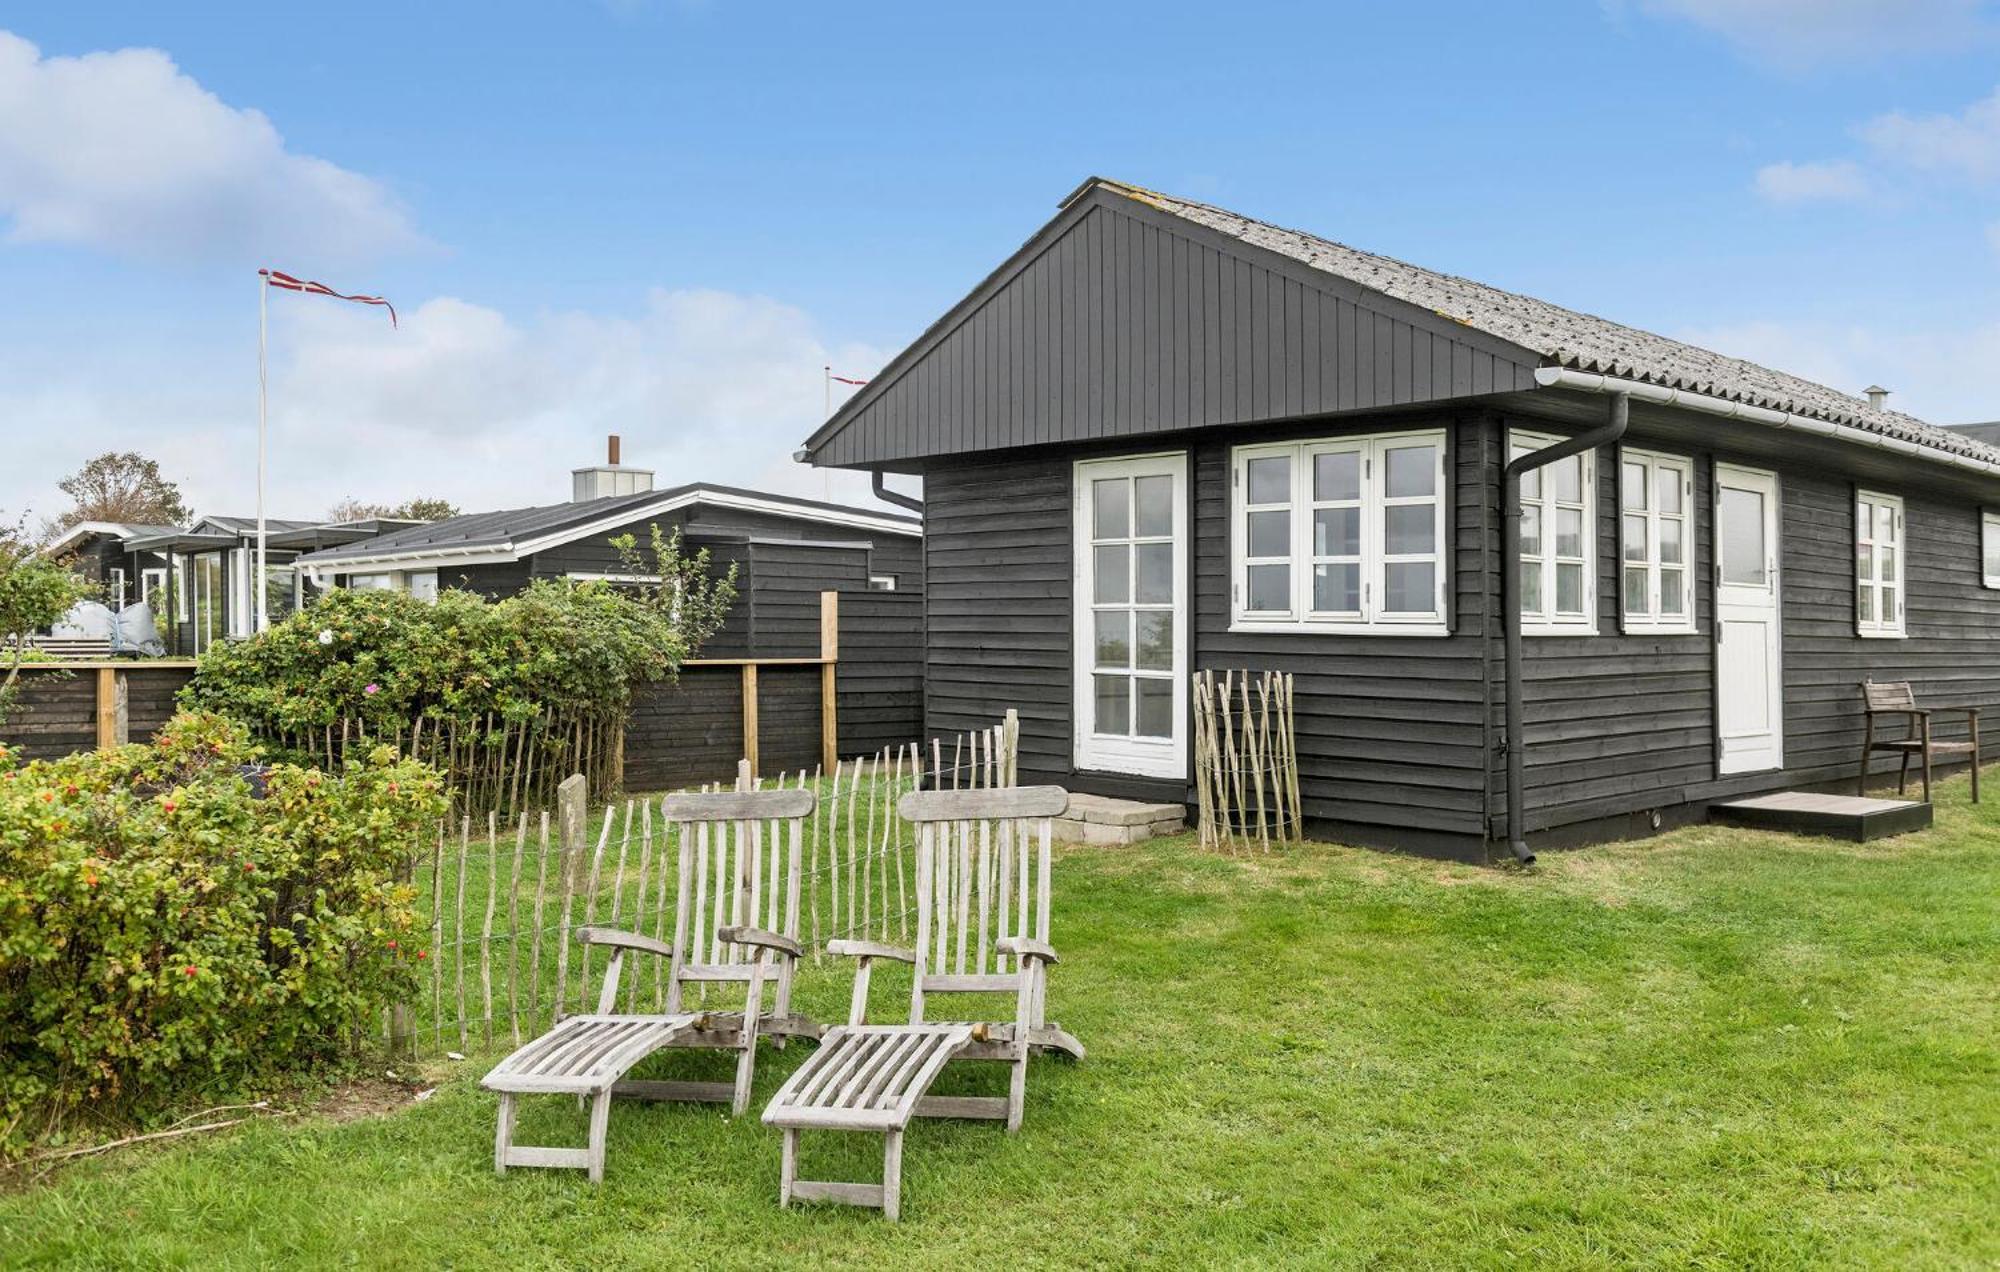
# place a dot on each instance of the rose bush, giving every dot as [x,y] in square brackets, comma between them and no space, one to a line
[174,917]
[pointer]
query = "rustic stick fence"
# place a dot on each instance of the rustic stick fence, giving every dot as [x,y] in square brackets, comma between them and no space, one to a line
[500,894]
[1246,759]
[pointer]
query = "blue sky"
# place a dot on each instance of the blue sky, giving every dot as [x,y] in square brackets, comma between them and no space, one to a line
[661,219]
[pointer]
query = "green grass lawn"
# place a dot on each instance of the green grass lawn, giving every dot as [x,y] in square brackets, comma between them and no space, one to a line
[1711,1049]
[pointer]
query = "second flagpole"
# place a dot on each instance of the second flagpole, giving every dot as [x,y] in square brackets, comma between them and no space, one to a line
[258,586]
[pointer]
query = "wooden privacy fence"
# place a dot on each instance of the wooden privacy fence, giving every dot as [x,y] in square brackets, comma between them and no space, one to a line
[1246,760]
[82,705]
[500,895]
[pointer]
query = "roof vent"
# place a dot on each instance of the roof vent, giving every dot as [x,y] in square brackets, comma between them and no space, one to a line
[601,481]
[1877,396]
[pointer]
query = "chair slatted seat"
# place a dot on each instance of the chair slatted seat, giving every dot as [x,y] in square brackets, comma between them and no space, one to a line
[737,912]
[983,890]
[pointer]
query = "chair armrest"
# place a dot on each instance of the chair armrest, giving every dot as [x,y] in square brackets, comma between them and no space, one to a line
[870,949]
[743,934]
[1024,947]
[624,940]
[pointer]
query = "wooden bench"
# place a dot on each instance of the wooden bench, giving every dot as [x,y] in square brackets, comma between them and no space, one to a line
[1896,698]
[79,647]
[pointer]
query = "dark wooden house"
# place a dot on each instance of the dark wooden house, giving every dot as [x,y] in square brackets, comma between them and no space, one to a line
[786,552]
[1164,437]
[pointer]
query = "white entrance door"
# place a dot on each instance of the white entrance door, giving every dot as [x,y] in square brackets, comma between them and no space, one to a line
[1131,615]
[1749,680]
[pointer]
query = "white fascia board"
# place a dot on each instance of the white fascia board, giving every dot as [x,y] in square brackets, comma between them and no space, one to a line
[82,528]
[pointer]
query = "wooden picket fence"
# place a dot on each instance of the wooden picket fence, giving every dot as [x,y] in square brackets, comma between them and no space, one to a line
[1246,759]
[500,895]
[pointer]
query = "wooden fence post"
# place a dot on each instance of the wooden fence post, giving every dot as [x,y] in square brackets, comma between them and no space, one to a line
[829,670]
[113,712]
[750,715]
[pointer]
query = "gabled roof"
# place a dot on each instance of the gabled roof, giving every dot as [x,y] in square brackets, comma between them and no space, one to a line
[120,530]
[248,525]
[514,533]
[1563,337]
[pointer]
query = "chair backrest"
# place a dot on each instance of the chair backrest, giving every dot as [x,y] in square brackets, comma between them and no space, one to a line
[740,865]
[982,875]
[1889,695]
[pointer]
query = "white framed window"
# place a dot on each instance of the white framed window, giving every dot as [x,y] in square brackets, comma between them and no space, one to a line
[371,582]
[1989,548]
[1342,534]
[115,588]
[1878,564]
[423,584]
[1131,662]
[1558,539]
[151,584]
[1655,503]
[881,582]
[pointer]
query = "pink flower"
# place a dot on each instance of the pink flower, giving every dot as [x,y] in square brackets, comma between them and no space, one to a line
[371,689]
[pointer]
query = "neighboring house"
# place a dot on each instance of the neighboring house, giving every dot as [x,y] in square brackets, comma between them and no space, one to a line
[1163,437]
[210,564]
[786,552]
[1988,433]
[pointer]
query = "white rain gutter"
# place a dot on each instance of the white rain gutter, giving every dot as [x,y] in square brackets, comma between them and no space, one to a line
[1589,382]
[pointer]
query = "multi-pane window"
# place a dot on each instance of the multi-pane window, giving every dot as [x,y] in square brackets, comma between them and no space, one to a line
[1655,494]
[1345,533]
[1878,564]
[1132,605]
[1558,507]
[1989,548]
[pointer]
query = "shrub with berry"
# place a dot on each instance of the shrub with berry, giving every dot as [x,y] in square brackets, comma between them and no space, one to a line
[176,917]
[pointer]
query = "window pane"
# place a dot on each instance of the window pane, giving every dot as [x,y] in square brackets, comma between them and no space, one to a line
[1569,589]
[1885,524]
[1865,604]
[1531,532]
[1632,487]
[1270,479]
[1670,542]
[1337,588]
[1864,563]
[1154,516]
[1156,639]
[1155,585]
[1888,604]
[1531,587]
[1633,531]
[1112,499]
[1669,481]
[1569,532]
[1114,645]
[1531,481]
[1337,532]
[1888,556]
[1270,588]
[1741,513]
[1636,601]
[1409,471]
[1990,541]
[1673,594]
[1566,479]
[1156,708]
[1112,586]
[1114,704]
[1270,534]
[1411,587]
[1410,528]
[1337,476]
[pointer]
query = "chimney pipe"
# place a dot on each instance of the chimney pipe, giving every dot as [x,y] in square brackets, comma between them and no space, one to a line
[613,449]
[1877,395]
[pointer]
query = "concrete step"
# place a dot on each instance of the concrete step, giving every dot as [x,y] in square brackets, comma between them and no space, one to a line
[1099,819]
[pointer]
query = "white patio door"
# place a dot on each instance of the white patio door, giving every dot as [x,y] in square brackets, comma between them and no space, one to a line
[1131,615]
[1749,674]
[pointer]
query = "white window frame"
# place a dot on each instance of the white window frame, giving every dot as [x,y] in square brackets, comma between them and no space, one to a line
[115,584]
[423,591]
[1370,618]
[1989,544]
[1119,753]
[151,583]
[881,582]
[1877,627]
[1654,463]
[1547,621]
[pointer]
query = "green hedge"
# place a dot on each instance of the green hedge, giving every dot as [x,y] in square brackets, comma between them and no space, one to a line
[168,928]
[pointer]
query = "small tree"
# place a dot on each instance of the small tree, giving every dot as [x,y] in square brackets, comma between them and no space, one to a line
[120,486]
[692,597]
[418,509]
[35,592]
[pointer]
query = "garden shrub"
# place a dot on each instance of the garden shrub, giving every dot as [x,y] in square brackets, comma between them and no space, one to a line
[176,919]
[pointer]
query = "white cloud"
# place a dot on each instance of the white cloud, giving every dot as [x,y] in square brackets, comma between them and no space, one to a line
[1788,182]
[462,401]
[1942,374]
[1800,33]
[124,152]
[1965,145]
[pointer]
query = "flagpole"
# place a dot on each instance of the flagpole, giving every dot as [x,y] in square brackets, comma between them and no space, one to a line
[826,474]
[263,304]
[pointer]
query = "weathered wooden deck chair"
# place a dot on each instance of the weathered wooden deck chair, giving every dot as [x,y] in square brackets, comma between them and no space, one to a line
[982,928]
[735,912]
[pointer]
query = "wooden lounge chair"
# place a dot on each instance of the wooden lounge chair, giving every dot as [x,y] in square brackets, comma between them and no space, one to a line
[1896,698]
[982,928]
[734,915]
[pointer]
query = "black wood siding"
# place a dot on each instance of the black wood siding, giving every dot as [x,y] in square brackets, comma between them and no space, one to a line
[1117,322]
